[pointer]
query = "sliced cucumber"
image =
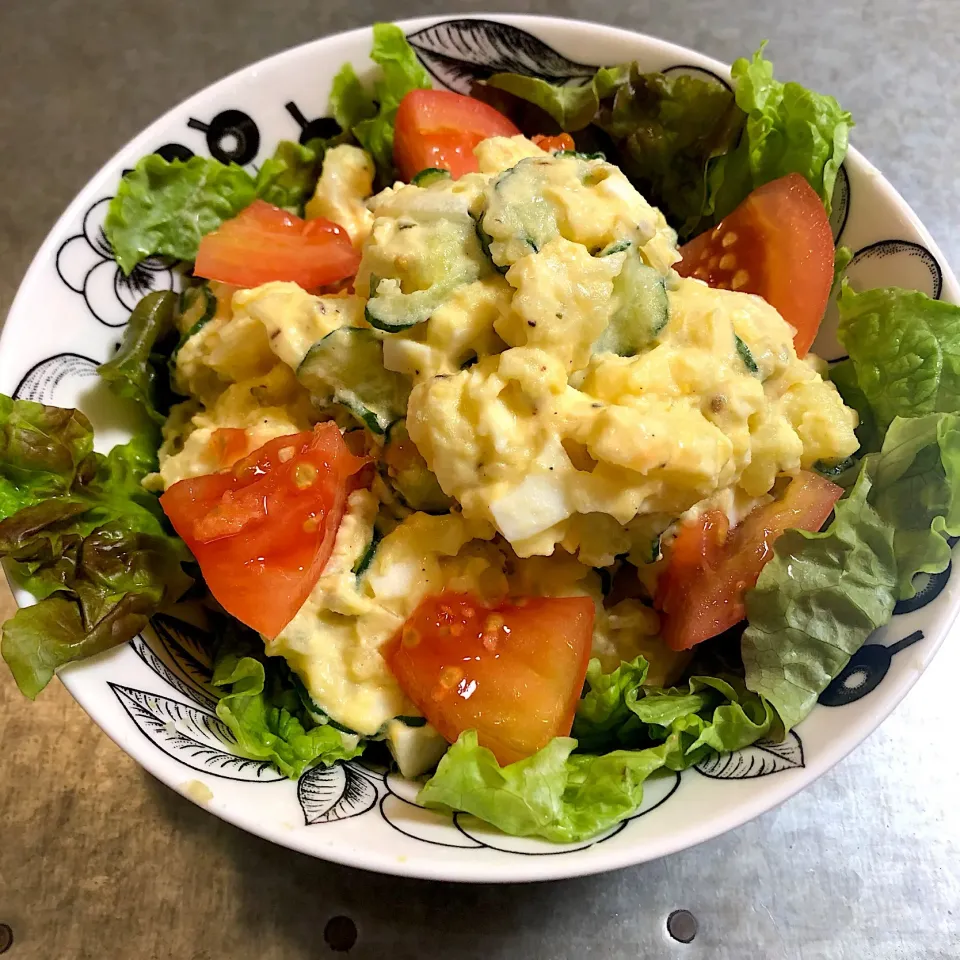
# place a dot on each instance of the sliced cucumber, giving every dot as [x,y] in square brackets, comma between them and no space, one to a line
[485,241]
[518,219]
[346,367]
[316,713]
[840,472]
[390,310]
[581,156]
[442,253]
[642,309]
[618,246]
[655,552]
[409,474]
[413,721]
[430,175]
[366,558]
[746,356]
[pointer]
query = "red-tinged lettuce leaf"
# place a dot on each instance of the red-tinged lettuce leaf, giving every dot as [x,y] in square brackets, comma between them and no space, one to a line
[660,130]
[667,129]
[571,107]
[83,536]
[43,452]
[691,146]
[100,593]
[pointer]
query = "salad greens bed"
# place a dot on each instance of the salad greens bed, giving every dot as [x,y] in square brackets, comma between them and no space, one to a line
[81,533]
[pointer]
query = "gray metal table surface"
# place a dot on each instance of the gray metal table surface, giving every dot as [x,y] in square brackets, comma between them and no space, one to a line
[99,860]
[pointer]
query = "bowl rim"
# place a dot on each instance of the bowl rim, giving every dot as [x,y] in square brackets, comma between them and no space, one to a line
[529,868]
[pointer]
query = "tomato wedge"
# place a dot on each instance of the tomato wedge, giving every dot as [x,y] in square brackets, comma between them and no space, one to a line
[439,128]
[777,244]
[264,243]
[562,141]
[710,567]
[513,673]
[263,530]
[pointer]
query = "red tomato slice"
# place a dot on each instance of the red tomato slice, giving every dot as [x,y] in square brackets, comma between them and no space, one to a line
[263,530]
[710,568]
[264,243]
[777,244]
[513,673]
[439,128]
[562,141]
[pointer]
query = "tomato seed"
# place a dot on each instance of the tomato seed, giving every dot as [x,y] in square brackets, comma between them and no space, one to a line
[286,454]
[450,677]
[304,475]
[729,239]
[740,279]
[409,637]
[728,261]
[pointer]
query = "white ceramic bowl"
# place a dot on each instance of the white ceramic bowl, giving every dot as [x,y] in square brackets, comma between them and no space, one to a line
[153,696]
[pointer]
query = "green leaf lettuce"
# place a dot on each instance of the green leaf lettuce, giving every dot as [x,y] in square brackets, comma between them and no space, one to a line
[816,602]
[166,207]
[289,177]
[553,794]
[261,707]
[789,129]
[400,72]
[905,351]
[563,795]
[138,370]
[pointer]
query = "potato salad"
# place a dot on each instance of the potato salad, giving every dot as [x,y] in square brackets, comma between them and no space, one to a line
[541,392]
